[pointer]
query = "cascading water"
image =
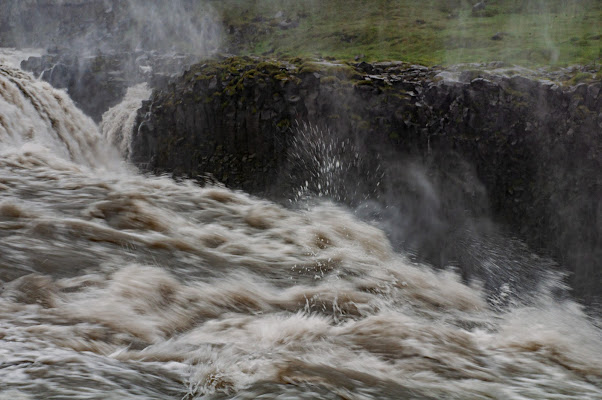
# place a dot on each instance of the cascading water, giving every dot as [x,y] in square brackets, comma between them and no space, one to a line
[34,114]
[118,285]
[118,122]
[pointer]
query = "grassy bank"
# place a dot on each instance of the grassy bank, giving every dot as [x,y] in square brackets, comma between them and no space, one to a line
[526,32]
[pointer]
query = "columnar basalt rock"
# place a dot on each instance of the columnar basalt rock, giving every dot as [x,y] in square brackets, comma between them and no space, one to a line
[535,144]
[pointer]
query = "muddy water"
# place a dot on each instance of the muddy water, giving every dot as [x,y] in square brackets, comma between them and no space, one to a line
[120,285]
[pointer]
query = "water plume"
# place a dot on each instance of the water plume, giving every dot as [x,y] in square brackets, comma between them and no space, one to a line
[324,164]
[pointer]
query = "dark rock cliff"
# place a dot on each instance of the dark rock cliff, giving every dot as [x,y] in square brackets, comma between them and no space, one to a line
[527,151]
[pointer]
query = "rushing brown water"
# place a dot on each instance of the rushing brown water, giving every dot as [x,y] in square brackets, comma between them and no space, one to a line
[120,285]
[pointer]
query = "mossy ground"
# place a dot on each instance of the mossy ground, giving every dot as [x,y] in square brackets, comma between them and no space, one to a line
[429,32]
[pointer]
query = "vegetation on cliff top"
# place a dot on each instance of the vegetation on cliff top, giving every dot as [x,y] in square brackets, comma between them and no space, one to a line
[527,32]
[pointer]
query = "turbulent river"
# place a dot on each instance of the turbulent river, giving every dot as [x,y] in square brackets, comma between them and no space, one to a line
[121,285]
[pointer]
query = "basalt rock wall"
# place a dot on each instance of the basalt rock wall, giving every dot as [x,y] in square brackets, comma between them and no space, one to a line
[533,145]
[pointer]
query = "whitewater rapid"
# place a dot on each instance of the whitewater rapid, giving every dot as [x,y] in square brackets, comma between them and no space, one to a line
[121,285]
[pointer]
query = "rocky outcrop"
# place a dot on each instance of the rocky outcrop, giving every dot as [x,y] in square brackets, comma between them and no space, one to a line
[533,144]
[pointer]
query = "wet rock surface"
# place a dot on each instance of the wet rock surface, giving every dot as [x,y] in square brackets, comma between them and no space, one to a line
[532,145]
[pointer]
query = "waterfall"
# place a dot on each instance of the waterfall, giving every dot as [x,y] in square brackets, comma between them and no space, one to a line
[120,285]
[118,122]
[36,114]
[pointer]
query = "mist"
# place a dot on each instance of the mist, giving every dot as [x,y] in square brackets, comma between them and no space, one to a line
[97,26]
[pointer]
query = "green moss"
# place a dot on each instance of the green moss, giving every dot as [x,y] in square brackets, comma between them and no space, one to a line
[344,71]
[362,82]
[252,74]
[340,70]
[309,68]
[270,67]
[398,96]
[584,112]
[515,93]
[330,80]
[580,77]
[203,77]
[285,77]
[284,124]
[364,126]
